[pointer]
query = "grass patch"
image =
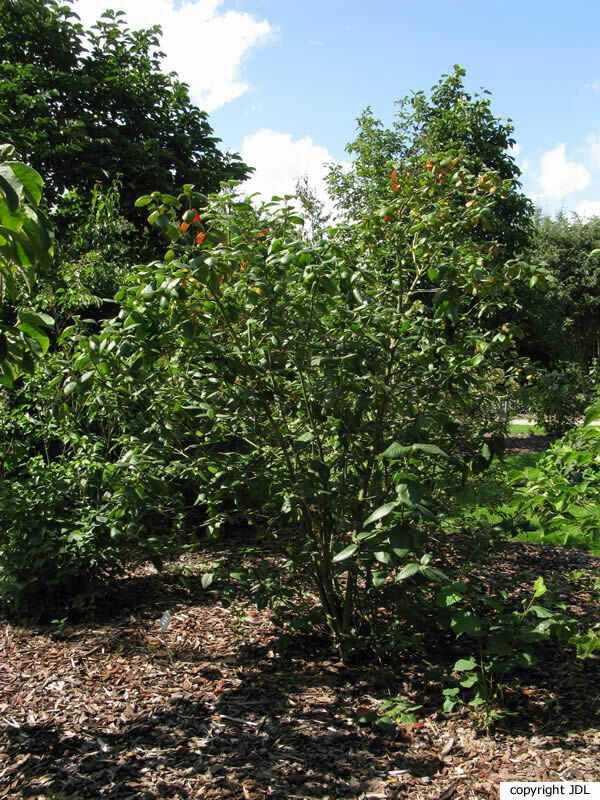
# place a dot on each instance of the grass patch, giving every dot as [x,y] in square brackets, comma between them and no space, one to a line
[534,430]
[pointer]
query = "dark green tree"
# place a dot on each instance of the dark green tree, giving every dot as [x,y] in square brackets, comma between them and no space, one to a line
[566,327]
[85,106]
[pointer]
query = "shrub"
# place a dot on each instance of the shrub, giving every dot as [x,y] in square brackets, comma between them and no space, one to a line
[558,397]
[329,392]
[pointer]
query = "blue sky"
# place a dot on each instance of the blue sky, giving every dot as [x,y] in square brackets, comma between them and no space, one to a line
[283,81]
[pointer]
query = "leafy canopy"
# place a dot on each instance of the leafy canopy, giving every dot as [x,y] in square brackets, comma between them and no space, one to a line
[450,119]
[567,327]
[85,105]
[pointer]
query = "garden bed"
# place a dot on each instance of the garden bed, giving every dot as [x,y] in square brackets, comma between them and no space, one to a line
[209,708]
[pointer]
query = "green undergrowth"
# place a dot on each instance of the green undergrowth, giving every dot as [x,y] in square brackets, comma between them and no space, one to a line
[560,494]
[488,498]
[550,497]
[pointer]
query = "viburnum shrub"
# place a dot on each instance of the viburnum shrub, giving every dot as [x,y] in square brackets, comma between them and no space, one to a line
[330,392]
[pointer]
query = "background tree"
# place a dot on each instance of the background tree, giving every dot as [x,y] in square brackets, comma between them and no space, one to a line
[85,105]
[566,327]
[451,119]
[312,207]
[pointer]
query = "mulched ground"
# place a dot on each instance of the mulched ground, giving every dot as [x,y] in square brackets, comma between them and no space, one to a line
[528,443]
[210,709]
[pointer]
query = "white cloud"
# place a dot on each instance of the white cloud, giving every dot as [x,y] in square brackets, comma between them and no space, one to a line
[205,47]
[515,152]
[593,146]
[588,208]
[560,176]
[280,162]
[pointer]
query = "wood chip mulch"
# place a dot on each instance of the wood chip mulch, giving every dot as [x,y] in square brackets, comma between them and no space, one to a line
[527,442]
[209,709]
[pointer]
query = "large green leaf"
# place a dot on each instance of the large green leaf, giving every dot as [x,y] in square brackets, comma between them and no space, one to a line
[11,197]
[11,220]
[396,450]
[410,493]
[381,512]
[30,181]
[465,664]
[36,334]
[408,571]
[466,622]
[36,318]
[347,552]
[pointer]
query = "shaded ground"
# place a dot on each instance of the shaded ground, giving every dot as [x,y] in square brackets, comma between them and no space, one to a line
[527,442]
[210,709]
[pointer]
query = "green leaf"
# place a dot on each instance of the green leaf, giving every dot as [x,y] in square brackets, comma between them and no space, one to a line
[386,725]
[36,318]
[449,705]
[403,537]
[465,664]
[410,493]
[345,553]
[396,450]
[466,622]
[381,512]
[10,196]
[207,579]
[36,335]
[407,572]
[87,376]
[539,587]
[449,595]
[541,612]
[162,221]
[592,413]
[30,180]
[10,220]
[379,578]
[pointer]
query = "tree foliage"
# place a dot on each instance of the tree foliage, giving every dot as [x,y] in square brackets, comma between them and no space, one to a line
[567,326]
[85,105]
[450,119]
